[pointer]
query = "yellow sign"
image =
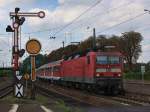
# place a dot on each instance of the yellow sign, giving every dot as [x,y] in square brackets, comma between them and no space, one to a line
[33,47]
[26,76]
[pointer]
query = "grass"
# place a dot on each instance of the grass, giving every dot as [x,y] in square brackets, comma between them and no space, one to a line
[60,104]
[42,99]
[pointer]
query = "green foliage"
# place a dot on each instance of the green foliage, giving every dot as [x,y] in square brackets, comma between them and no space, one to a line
[59,53]
[26,65]
[130,46]
[147,75]
[137,75]
[133,75]
[61,105]
[5,73]
[42,99]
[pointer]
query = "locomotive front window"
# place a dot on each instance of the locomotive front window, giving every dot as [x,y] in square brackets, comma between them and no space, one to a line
[101,60]
[107,60]
[113,59]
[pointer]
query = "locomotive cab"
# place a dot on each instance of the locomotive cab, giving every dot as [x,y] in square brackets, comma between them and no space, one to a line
[108,71]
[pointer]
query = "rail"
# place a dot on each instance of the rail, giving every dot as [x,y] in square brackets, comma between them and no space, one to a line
[95,99]
[6,91]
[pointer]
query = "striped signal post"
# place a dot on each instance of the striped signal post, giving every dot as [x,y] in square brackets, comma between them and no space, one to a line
[33,47]
[18,19]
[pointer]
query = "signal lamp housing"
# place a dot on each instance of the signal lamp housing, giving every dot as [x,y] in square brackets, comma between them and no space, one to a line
[9,29]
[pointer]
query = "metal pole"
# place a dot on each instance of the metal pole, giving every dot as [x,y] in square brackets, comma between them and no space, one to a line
[94,38]
[63,44]
[20,36]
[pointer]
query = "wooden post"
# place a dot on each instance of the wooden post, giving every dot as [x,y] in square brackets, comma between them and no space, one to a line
[33,77]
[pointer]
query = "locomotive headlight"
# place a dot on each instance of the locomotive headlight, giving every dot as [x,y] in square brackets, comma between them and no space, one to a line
[119,75]
[97,75]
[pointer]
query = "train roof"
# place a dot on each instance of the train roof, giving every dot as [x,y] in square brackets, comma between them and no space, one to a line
[109,53]
[55,63]
[84,53]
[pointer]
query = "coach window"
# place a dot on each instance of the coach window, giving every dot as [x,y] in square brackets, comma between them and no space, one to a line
[49,69]
[77,56]
[70,58]
[56,68]
[88,59]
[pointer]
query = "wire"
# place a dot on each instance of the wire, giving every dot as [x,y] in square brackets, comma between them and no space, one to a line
[91,7]
[130,19]
[103,13]
[45,30]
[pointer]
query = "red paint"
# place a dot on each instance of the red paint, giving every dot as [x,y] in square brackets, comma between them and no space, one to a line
[80,68]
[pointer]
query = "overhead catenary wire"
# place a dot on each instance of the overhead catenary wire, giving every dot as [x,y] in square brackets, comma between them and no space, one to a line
[130,19]
[56,28]
[113,26]
[44,30]
[65,26]
[139,15]
[103,13]
[84,12]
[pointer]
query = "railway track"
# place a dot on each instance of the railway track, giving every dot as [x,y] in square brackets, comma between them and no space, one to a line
[130,101]
[94,99]
[57,97]
[137,88]
[6,91]
[72,94]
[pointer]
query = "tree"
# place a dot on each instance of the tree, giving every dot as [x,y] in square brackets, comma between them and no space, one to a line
[112,40]
[59,53]
[86,44]
[130,46]
[40,60]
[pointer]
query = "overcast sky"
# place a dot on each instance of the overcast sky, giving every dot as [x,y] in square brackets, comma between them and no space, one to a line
[108,17]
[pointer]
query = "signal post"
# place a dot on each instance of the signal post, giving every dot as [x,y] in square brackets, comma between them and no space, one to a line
[18,19]
[33,47]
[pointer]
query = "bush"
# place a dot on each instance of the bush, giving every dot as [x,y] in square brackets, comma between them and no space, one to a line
[133,75]
[136,75]
[147,75]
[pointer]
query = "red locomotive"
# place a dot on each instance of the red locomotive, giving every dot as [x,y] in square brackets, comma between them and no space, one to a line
[93,70]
